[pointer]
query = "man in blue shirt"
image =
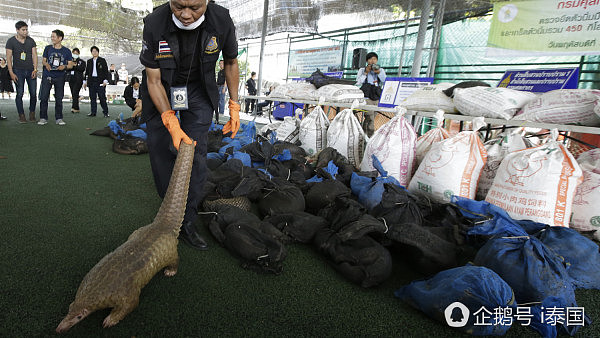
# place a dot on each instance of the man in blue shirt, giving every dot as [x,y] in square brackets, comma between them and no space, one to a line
[374,75]
[56,60]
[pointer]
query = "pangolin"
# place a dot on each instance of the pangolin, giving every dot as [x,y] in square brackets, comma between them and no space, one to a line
[117,279]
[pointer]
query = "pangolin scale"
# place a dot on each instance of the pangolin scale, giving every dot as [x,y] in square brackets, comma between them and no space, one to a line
[117,279]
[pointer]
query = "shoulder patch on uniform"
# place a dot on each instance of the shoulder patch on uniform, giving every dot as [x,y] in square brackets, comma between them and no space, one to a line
[212,46]
[163,47]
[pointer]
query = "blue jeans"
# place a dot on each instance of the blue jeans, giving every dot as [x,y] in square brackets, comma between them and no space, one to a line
[22,76]
[100,91]
[59,93]
[221,100]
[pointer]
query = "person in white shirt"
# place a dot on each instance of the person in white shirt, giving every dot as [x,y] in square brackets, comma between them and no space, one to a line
[132,96]
[375,75]
[123,74]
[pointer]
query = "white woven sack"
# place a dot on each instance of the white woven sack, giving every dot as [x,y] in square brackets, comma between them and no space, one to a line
[394,145]
[537,184]
[288,130]
[563,106]
[586,204]
[281,91]
[271,126]
[434,135]
[346,135]
[302,91]
[430,98]
[452,166]
[341,93]
[497,149]
[499,103]
[313,131]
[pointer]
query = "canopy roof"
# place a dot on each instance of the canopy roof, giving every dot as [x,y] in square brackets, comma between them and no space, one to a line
[116,24]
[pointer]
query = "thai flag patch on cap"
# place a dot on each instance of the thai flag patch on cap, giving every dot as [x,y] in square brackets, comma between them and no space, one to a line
[163,47]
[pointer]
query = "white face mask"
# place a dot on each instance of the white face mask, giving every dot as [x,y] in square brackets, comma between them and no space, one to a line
[75,56]
[190,27]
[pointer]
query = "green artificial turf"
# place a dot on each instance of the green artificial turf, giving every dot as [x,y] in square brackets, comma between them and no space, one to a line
[66,200]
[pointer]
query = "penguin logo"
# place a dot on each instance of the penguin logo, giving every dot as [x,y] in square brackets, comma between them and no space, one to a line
[457,314]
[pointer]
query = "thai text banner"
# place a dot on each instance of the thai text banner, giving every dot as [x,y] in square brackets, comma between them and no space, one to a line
[540,80]
[545,27]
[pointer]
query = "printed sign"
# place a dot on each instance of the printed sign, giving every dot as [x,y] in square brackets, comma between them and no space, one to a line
[540,80]
[396,89]
[304,62]
[545,27]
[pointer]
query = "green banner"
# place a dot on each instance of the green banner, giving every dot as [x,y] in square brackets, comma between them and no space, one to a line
[545,27]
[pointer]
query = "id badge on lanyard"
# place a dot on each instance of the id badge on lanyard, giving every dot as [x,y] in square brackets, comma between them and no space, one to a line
[179,98]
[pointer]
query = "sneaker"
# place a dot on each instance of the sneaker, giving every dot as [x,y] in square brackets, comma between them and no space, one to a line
[91,114]
[106,115]
[43,122]
[2,117]
[60,122]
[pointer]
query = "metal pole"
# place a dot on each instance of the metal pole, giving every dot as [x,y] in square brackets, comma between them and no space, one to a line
[418,58]
[344,50]
[262,50]
[406,19]
[287,71]
[435,40]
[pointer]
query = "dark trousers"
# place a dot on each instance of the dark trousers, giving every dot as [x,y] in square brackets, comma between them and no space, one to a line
[24,75]
[75,86]
[96,90]
[250,104]
[59,93]
[195,123]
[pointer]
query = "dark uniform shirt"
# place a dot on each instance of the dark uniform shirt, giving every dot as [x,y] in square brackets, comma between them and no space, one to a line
[161,48]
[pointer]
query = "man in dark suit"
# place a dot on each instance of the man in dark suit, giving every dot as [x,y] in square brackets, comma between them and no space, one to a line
[96,78]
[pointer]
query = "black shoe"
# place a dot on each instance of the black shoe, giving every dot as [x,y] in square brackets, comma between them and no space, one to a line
[90,114]
[106,115]
[2,117]
[190,237]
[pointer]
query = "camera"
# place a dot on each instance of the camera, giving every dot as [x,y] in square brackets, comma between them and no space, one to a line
[375,66]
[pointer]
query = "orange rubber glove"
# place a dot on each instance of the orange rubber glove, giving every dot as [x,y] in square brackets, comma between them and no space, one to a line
[233,125]
[172,124]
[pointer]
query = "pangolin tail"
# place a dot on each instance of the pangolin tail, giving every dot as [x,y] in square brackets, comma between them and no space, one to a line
[172,209]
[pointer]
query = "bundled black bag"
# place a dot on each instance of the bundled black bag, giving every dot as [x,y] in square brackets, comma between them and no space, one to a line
[321,194]
[371,91]
[319,79]
[345,169]
[300,226]
[281,199]
[130,145]
[258,244]
[361,260]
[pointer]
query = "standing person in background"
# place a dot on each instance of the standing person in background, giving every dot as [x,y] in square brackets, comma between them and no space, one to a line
[251,88]
[96,77]
[132,96]
[123,74]
[6,85]
[221,87]
[375,75]
[113,76]
[76,79]
[191,34]
[56,60]
[21,54]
